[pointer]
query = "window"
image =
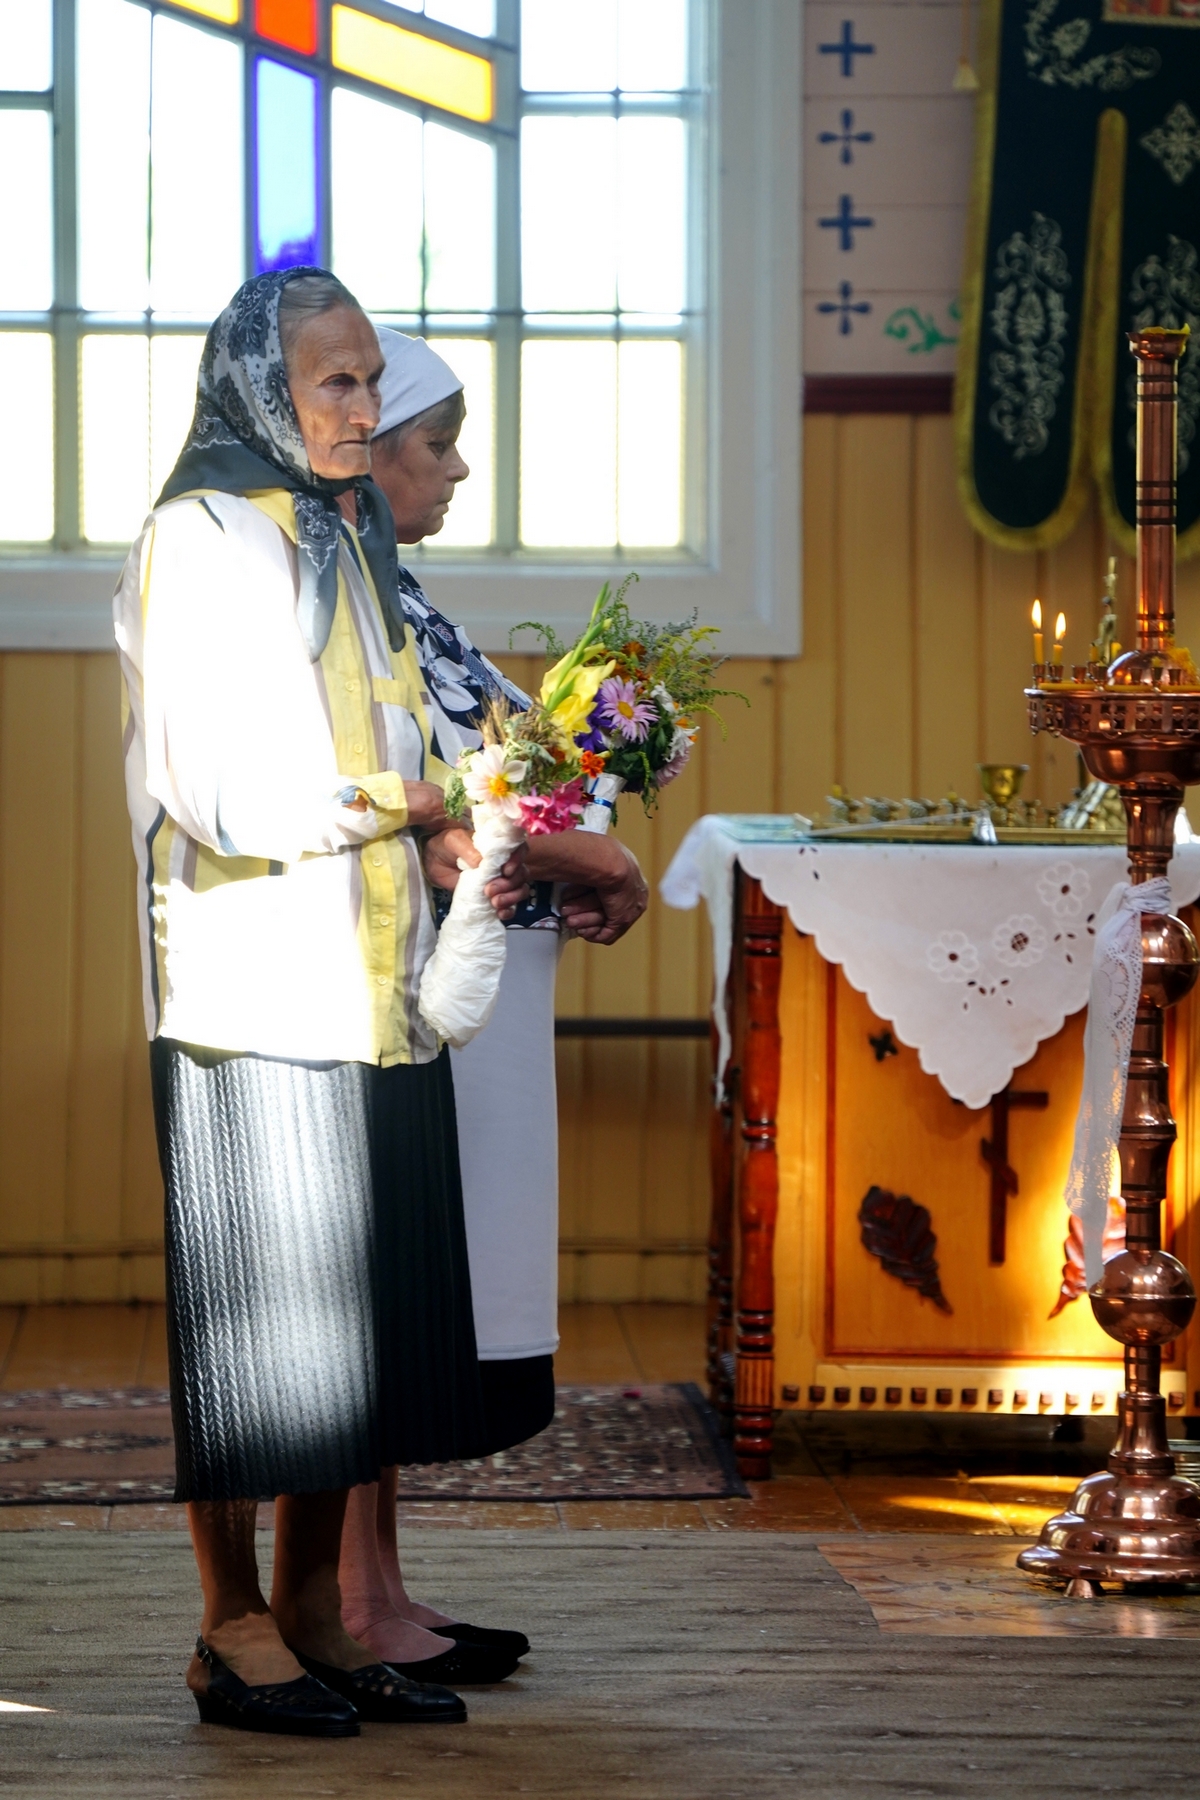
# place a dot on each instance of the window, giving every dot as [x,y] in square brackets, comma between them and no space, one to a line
[527,183]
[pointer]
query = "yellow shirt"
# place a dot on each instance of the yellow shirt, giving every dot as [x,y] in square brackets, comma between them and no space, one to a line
[275,919]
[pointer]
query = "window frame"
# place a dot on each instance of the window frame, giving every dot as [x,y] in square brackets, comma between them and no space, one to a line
[742,362]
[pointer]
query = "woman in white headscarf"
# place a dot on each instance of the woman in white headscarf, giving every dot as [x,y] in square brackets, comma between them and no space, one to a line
[587,884]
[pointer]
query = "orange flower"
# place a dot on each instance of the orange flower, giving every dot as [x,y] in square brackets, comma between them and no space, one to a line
[592,763]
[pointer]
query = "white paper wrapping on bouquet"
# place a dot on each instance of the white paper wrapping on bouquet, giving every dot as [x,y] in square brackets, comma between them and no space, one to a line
[1107,1043]
[973,953]
[602,793]
[461,980]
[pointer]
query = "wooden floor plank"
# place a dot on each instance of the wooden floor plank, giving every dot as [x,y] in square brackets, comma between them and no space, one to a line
[593,1346]
[10,1319]
[153,1372]
[666,1339]
[93,1346]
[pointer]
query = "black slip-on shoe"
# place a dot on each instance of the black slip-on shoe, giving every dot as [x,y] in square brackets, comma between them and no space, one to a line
[301,1708]
[463,1665]
[381,1694]
[508,1643]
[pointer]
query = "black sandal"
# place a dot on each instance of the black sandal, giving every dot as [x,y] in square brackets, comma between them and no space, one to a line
[508,1643]
[378,1692]
[300,1708]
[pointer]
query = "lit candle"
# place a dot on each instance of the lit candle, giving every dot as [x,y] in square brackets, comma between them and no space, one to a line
[1060,632]
[1038,644]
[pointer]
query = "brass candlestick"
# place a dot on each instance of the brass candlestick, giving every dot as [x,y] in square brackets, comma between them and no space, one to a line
[1140,730]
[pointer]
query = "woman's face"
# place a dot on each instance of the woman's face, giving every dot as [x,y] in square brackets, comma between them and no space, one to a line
[333,369]
[418,476]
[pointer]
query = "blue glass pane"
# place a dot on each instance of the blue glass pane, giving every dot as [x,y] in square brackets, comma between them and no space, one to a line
[286,229]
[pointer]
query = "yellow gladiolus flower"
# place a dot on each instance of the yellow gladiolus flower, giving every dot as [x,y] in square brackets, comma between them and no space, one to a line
[571,713]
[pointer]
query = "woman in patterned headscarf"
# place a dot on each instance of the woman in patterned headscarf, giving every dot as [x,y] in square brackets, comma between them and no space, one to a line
[280,777]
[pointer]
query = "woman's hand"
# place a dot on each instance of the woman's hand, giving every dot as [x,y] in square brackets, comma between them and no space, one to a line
[606,891]
[426,806]
[442,853]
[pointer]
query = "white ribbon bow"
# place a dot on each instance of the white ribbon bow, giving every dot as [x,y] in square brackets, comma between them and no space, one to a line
[1107,1044]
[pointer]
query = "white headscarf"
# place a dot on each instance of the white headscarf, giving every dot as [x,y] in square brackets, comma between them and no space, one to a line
[414,378]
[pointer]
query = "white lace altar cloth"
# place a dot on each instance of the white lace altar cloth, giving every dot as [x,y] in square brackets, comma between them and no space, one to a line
[973,953]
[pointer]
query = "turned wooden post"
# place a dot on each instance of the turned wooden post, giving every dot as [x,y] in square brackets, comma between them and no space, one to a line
[720,1240]
[758,929]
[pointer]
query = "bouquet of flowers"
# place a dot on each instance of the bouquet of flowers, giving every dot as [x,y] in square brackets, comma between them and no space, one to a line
[617,710]
[638,691]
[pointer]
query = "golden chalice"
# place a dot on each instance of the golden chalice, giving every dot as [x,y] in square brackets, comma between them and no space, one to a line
[1002,782]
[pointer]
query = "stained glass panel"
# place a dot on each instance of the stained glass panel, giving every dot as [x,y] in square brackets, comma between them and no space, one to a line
[569,214]
[225,12]
[27,454]
[470,520]
[25,46]
[569,49]
[411,64]
[377,156]
[475,16]
[115,377]
[286,187]
[460,221]
[290,22]
[174,363]
[651,215]
[569,444]
[650,443]
[652,45]
[197,243]
[636,45]
[26,215]
[114,164]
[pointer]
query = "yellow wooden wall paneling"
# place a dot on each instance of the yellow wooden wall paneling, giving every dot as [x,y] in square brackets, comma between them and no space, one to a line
[946,683]
[875,603]
[38,874]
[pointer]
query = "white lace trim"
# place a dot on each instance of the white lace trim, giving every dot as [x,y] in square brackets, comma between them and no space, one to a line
[1107,1044]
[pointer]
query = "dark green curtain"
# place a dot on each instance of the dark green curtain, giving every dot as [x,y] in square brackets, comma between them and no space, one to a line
[1085,221]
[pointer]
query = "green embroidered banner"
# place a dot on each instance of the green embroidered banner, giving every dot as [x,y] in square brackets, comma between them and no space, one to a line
[1085,223]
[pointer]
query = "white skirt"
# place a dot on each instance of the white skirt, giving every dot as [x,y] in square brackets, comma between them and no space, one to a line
[507,1105]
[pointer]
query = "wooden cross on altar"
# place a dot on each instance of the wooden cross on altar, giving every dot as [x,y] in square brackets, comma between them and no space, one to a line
[995,1154]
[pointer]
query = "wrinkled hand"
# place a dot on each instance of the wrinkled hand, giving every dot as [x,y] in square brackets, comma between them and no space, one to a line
[616,897]
[442,853]
[426,806]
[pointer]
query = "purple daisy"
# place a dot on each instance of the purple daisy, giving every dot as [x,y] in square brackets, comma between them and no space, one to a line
[619,704]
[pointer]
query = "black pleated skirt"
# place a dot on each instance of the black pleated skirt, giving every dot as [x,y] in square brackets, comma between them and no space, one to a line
[318,1292]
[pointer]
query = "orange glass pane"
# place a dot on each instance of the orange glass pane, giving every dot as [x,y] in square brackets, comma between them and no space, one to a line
[290,22]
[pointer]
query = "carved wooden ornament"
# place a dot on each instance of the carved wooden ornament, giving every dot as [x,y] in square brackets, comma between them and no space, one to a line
[900,1233]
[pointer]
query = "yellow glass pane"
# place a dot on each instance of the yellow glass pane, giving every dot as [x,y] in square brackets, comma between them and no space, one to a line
[226,12]
[411,64]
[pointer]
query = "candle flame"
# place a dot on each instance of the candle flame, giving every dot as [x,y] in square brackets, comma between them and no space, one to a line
[1060,628]
[1037,615]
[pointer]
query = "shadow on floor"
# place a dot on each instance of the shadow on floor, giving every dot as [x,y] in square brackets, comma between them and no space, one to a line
[833,1444]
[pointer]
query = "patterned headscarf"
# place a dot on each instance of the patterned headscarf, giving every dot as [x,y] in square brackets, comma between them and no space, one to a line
[245,438]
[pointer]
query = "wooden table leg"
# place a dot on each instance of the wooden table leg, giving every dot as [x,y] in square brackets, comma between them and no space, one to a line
[720,1244]
[759,925]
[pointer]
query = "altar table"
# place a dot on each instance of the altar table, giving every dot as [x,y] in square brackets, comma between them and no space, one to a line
[898,1027]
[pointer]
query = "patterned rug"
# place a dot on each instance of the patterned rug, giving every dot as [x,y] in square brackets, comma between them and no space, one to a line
[657,1442]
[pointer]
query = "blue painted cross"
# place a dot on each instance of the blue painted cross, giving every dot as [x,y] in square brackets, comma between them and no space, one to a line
[847,137]
[844,306]
[847,49]
[845,224]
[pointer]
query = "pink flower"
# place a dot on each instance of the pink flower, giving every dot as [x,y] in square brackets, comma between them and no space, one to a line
[674,767]
[620,705]
[545,814]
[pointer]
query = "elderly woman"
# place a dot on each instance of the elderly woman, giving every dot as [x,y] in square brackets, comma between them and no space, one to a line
[280,775]
[510,1191]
